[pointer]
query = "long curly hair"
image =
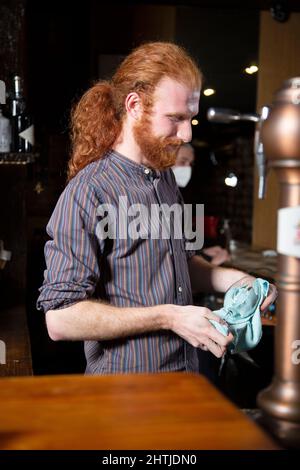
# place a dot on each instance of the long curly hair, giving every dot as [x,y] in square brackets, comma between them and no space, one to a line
[96,121]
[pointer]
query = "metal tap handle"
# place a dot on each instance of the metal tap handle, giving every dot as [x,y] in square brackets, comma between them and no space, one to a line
[2,92]
[225,116]
[259,153]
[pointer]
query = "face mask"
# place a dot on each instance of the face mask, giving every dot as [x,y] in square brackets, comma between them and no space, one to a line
[182,175]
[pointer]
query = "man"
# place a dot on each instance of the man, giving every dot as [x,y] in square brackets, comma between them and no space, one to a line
[130,299]
[183,173]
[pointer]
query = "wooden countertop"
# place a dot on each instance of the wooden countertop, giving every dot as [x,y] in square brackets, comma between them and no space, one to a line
[134,411]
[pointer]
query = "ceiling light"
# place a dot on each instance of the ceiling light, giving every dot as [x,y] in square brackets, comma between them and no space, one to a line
[209,91]
[231,180]
[252,69]
[195,122]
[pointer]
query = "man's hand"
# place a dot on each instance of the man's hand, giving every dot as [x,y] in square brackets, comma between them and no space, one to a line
[192,324]
[272,292]
[270,299]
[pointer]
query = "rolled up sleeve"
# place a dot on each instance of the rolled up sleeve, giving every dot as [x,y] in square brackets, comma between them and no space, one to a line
[73,252]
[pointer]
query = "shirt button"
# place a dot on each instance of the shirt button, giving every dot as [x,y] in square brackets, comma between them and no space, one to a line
[146,171]
[179,289]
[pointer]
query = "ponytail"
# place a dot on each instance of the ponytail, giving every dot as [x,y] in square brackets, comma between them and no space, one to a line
[95,125]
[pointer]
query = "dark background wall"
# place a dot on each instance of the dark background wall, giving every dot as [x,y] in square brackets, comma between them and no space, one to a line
[64,47]
[12,54]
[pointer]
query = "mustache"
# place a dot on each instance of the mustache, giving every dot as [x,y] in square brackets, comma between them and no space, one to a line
[170,141]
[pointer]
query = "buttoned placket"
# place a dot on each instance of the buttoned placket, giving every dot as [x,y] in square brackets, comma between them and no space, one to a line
[172,249]
[179,289]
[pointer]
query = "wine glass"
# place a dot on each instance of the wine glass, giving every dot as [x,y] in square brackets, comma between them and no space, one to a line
[241,311]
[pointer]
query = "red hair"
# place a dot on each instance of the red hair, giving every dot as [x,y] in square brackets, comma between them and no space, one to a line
[96,121]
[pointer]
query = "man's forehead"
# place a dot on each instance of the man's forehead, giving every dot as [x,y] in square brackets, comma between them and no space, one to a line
[193,102]
[173,90]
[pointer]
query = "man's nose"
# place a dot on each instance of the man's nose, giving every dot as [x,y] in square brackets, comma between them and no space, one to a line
[185,131]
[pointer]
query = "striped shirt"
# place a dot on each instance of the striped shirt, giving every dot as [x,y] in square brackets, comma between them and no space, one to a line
[123,271]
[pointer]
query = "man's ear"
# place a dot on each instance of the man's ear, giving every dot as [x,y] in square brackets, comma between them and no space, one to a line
[133,105]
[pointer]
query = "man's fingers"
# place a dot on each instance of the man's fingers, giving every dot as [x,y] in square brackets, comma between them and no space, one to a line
[264,306]
[270,299]
[213,333]
[218,337]
[212,316]
[214,348]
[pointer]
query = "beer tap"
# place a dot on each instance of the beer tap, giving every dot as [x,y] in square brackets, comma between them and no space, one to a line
[277,143]
[280,135]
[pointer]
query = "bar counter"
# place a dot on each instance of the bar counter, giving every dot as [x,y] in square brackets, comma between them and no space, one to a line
[134,411]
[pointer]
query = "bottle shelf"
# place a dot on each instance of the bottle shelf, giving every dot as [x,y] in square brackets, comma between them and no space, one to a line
[19,158]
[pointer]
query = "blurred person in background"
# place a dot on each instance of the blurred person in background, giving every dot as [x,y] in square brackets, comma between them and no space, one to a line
[183,173]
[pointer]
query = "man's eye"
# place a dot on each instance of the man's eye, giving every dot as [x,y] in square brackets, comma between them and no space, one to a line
[175,118]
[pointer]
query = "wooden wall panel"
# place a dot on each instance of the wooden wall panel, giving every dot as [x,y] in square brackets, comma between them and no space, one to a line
[279,59]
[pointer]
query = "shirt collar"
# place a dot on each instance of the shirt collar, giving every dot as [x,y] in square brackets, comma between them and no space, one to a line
[131,167]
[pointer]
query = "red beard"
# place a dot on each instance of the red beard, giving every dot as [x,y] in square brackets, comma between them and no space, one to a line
[160,152]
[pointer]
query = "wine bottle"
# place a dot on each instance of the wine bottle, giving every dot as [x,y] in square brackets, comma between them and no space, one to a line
[5,133]
[21,122]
